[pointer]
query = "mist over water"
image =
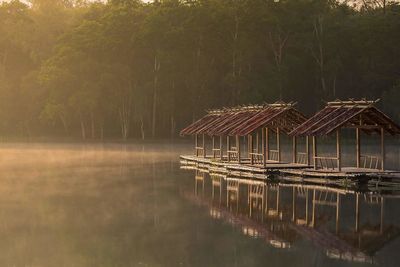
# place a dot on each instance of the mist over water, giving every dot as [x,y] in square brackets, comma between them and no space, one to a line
[131,205]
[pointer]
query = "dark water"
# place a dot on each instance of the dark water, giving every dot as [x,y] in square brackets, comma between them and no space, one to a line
[115,205]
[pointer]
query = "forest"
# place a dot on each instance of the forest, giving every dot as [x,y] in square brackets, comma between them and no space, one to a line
[127,69]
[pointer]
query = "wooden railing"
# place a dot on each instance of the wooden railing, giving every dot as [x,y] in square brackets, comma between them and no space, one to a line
[233,154]
[256,158]
[199,151]
[301,158]
[274,155]
[326,162]
[216,152]
[370,162]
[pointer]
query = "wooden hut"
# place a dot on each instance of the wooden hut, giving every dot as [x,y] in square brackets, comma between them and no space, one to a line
[255,123]
[362,116]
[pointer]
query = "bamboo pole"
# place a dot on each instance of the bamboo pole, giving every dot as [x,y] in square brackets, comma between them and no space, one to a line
[228,147]
[383,149]
[358,147]
[338,150]
[294,149]
[267,144]
[196,145]
[257,143]
[263,146]
[204,146]
[278,143]
[314,143]
[238,147]
[213,146]
[221,154]
[251,149]
[307,150]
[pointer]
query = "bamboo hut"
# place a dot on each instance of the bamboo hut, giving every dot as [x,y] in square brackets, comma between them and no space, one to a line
[362,116]
[256,124]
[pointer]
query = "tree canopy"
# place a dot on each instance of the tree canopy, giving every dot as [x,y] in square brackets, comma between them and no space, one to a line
[129,69]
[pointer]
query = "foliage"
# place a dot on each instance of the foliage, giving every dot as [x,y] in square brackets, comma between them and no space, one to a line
[131,69]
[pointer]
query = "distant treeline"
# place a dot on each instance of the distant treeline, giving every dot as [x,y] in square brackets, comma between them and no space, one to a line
[127,69]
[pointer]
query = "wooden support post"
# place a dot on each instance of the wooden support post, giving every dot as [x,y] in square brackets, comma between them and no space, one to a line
[338,151]
[204,146]
[267,144]
[263,147]
[383,149]
[251,149]
[308,150]
[238,147]
[314,146]
[221,154]
[213,146]
[278,143]
[358,143]
[248,146]
[228,148]
[294,149]
[195,146]
[257,143]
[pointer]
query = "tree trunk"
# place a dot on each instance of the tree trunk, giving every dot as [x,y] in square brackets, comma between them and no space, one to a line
[155,85]
[83,130]
[173,126]
[92,124]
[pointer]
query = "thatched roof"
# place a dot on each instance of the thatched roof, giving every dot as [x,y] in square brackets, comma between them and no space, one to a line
[347,114]
[244,120]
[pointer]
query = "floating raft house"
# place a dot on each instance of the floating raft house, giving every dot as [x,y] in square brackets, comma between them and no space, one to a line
[241,139]
[256,124]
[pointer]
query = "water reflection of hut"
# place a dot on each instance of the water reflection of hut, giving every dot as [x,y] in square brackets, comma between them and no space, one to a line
[254,122]
[362,116]
[292,211]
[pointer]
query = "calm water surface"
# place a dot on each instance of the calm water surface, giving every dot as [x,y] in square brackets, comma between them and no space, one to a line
[116,205]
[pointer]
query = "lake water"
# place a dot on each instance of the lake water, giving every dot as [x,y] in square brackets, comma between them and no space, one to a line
[133,205]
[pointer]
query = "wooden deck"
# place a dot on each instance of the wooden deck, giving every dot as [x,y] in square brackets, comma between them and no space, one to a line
[294,171]
[244,166]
